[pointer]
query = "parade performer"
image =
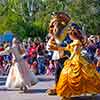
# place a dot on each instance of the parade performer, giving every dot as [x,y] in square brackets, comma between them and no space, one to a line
[58,38]
[19,75]
[78,76]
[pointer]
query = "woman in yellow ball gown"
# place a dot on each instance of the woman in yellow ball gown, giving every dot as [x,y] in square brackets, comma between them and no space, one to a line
[78,76]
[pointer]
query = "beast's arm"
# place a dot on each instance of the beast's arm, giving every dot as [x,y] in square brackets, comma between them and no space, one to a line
[53,46]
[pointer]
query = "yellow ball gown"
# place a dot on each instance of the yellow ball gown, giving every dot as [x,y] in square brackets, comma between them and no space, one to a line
[78,76]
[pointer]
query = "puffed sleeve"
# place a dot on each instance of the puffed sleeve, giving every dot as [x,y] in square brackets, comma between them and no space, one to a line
[76,48]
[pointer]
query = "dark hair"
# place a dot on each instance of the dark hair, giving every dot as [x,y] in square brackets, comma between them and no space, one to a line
[77,33]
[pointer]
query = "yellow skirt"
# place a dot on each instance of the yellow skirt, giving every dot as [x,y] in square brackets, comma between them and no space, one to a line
[78,77]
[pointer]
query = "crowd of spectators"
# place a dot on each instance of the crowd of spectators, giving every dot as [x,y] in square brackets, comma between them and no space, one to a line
[92,50]
[36,56]
[40,60]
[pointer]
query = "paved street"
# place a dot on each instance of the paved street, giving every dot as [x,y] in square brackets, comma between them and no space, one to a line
[34,93]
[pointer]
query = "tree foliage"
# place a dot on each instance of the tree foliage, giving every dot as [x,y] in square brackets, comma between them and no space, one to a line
[31,17]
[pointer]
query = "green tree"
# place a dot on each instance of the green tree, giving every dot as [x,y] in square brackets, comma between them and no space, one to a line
[31,17]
